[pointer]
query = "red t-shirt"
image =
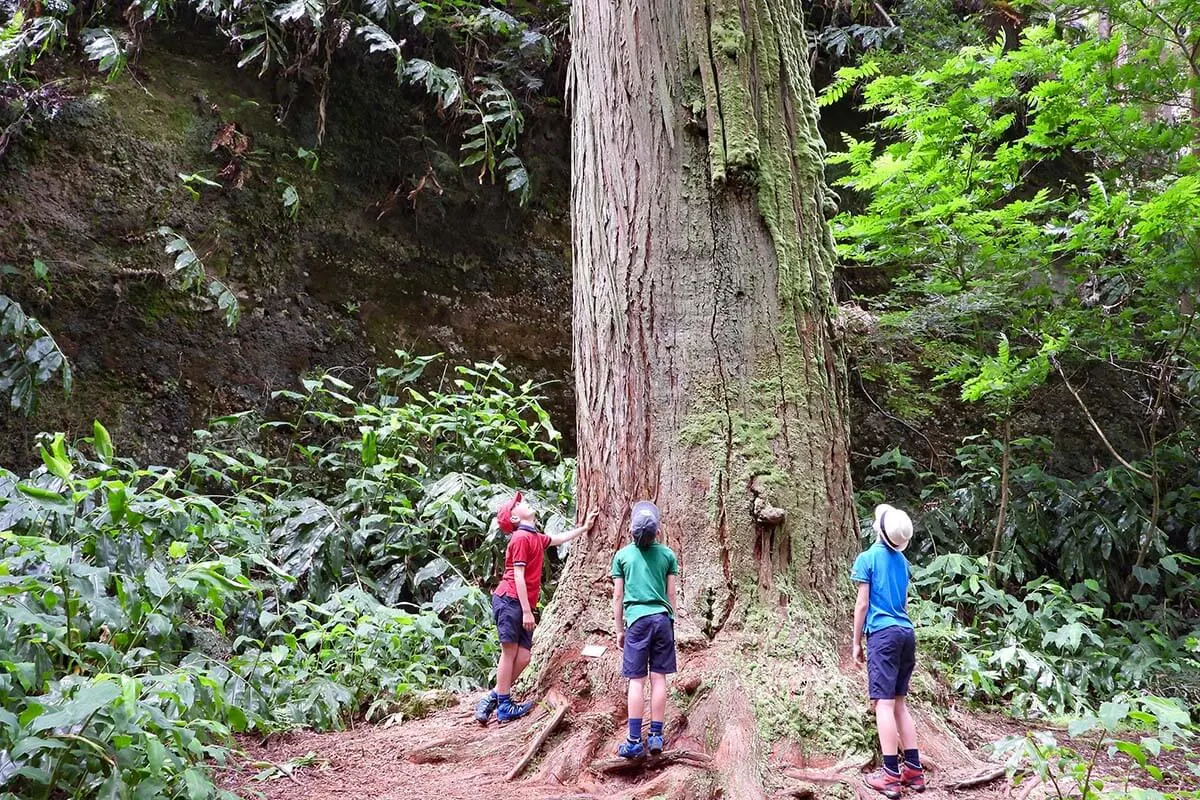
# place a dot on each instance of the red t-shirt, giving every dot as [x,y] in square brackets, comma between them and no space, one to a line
[525,548]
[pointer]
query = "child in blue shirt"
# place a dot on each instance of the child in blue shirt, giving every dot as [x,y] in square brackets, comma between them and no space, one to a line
[881,612]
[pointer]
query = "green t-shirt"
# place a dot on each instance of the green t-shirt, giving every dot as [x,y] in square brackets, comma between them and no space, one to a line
[645,571]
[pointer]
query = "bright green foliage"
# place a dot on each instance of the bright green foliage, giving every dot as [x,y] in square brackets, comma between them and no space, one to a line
[1028,192]
[304,570]
[1034,205]
[1047,649]
[1002,380]
[847,79]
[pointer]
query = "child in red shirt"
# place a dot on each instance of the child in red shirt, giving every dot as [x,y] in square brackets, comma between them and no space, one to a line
[513,602]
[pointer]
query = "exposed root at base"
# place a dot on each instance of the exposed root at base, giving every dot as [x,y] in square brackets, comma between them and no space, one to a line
[980,778]
[547,729]
[625,766]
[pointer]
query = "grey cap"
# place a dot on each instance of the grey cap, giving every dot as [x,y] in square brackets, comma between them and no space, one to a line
[644,521]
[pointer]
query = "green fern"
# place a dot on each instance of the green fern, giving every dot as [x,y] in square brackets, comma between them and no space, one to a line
[846,79]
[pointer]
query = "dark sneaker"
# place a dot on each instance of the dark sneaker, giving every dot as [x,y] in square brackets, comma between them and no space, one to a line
[886,783]
[485,707]
[510,711]
[628,749]
[654,743]
[912,777]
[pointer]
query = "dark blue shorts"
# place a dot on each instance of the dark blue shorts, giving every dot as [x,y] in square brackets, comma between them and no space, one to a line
[891,657]
[649,642]
[507,613]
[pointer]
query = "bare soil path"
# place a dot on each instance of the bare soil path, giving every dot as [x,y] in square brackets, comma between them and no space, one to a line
[448,757]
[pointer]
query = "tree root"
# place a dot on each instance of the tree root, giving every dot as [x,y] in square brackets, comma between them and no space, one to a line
[979,778]
[821,776]
[456,747]
[547,729]
[615,766]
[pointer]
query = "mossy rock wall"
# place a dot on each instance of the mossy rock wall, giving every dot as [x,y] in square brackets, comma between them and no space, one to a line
[361,271]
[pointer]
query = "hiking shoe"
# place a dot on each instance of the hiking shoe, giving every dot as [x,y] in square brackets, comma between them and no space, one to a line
[510,711]
[886,783]
[628,749]
[654,743]
[912,777]
[485,707]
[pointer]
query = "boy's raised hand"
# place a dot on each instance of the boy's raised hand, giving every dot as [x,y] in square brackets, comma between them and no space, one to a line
[563,538]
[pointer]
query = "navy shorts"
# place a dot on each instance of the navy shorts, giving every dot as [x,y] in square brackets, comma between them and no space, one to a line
[649,642]
[891,657]
[507,613]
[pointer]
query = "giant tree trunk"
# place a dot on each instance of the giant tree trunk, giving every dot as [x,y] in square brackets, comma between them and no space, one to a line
[708,372]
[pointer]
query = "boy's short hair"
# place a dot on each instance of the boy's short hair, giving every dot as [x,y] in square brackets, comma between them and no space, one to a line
[504,514]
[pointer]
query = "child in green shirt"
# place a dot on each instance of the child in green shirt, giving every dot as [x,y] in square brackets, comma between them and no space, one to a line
[644,577]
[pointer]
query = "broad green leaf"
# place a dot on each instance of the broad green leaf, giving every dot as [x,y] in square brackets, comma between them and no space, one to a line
[1112,714]
[102,442]
[156,582]
[87,701]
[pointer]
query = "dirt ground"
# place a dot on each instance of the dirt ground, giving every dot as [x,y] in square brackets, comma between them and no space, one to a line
[448,757]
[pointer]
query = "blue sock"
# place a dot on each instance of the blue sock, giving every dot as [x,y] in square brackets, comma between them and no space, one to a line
[503,698]
[912,758]
[656,728]
[892,764]
[635,729]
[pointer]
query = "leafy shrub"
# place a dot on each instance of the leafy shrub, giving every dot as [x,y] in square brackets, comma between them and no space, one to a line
[1045,649]
[1158,724]
[1068,620]
[297,571]
[29,357]
[1092,528]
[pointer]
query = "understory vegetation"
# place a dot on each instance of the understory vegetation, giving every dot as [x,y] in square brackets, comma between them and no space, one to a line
[1022,220]
[308,569]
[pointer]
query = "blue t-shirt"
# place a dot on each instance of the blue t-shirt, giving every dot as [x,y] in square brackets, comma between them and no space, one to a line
[886,571]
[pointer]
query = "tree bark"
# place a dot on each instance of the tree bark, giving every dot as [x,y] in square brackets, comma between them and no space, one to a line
[707,363]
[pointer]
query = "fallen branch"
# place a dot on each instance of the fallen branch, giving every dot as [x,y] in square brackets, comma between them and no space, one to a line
[540,740]
[616,765]
[825,776]
[979,778]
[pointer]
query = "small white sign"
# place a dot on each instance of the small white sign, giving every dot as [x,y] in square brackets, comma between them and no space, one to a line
[594,650]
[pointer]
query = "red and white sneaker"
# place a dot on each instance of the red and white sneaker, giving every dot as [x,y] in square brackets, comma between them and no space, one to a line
[886,783]
[912,777]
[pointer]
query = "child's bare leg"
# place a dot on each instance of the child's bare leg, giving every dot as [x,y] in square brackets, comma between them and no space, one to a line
[905,726]
[506,667]
[885,719]
[520,662]
[658,696]
[636,698]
